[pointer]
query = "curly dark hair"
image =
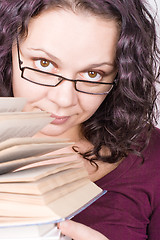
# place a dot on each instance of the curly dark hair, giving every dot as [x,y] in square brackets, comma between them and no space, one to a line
[127,113]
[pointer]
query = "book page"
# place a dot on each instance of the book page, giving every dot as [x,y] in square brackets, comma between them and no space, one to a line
[29,150]
[16,127]
[12,104]
[62,208]
[36,173]
[17,164]
[44,184]
[24,232]
[44,199]
[30,140]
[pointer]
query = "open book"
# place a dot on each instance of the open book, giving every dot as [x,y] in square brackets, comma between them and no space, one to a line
[37,187]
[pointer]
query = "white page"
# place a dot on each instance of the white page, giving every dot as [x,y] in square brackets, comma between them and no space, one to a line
[11,104]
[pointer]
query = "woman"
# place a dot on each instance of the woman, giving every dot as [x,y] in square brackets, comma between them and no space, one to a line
[91,64]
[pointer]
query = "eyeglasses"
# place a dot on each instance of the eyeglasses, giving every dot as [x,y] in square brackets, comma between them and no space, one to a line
[53,80]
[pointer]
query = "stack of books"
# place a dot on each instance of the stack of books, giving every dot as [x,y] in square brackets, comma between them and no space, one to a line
[37,192]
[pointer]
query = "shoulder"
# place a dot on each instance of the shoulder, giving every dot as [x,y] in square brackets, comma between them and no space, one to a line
[152,150]
[155,135]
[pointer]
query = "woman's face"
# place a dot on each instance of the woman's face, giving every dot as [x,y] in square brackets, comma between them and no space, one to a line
[76,46]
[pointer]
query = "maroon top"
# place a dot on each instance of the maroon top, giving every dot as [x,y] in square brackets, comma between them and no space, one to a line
[130,210]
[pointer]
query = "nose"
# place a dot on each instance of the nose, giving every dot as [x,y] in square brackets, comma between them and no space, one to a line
[64,94]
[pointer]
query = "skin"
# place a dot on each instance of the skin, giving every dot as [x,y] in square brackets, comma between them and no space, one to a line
[74,52]
[88,44]
[79,231]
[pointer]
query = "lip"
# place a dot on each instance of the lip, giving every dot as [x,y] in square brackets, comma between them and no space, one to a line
[58,120]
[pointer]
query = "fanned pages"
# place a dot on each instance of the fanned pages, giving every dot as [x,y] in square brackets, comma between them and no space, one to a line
[12,104]
[17,164]
[29,150]
[22,125]
[38,186]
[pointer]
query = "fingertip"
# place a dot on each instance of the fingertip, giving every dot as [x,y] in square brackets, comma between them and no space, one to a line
[63,225]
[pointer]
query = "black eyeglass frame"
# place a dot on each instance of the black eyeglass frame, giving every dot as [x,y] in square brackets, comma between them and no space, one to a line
[61,78]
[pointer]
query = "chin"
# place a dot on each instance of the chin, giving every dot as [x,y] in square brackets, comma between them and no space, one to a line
[49,131]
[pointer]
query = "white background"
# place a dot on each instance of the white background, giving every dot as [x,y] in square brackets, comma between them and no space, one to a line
[153,4]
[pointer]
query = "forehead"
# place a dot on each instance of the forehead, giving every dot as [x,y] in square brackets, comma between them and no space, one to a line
[74,33]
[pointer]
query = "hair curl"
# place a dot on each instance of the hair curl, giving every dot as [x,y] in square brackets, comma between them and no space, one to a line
[127,112]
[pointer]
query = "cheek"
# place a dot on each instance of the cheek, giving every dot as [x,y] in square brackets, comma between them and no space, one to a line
[31,92]
[23,88]
[92,103]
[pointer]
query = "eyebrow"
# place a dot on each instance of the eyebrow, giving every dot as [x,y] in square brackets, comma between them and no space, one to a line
[94,65]
[44,51]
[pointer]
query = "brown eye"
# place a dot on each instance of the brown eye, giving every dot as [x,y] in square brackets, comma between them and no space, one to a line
[92,74]
[44,63]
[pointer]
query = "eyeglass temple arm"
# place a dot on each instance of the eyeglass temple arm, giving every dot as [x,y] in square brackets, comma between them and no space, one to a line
[18,51]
